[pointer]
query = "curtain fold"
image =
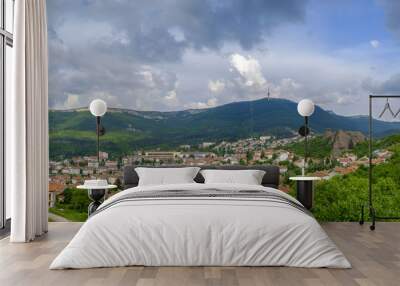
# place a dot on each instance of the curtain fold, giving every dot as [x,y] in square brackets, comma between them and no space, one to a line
[28,122]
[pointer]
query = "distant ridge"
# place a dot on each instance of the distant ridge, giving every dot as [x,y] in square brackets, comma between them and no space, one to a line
[72,131]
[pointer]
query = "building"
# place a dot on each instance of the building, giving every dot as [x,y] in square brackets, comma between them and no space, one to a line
[283,169]
[55,188]
[93,164]
[112,165]
[160,156]
[324,175]
[184,147]
[103,155]
[206,144]
[265,138]
[283,156]
[87,172]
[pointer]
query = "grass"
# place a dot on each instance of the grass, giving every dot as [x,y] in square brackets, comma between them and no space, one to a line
[69,214]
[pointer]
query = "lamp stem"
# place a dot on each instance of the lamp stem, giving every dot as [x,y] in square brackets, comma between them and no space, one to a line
[305,144]
[98,138]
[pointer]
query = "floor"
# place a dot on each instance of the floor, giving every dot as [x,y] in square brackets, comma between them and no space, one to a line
[375,257]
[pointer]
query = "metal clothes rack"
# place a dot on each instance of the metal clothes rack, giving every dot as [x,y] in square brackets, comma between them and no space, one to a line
[370,206]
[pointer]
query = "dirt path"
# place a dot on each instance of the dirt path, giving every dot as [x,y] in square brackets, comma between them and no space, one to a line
[56,218]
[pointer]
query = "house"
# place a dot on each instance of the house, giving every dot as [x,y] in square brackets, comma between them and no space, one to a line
[103,155]
[324,175]
[206,144]
[87,172]
[54,189]
[160,156]
[265,138]
[346,170]
[112,165]
[184,147]
[93,164]
[283,169]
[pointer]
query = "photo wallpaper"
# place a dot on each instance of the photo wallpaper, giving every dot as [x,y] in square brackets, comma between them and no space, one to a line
[194,82]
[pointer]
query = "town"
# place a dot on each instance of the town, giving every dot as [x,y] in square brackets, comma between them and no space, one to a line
[267,149]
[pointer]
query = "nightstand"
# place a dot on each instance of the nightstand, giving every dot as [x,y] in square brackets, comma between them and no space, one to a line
[97,190]
[305,192]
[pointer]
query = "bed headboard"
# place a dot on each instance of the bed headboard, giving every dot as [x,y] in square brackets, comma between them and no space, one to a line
[270,179]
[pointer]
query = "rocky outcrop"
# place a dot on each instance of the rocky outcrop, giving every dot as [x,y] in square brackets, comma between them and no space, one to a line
[343,140]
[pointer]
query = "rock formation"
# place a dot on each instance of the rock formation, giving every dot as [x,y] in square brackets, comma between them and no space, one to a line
[343,140]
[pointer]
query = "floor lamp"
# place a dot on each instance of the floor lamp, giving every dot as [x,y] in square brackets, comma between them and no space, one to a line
[98,108]
[97,188]
[305,108]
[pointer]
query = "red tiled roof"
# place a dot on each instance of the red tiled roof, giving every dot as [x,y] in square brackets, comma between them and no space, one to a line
[56,187]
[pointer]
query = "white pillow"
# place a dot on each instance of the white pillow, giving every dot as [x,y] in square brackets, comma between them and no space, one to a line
[248,177]
[165,176]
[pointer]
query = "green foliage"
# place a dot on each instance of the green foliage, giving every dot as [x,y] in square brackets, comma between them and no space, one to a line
[75,199]
[319,147]
[340,198]
[74,206]
[249,156]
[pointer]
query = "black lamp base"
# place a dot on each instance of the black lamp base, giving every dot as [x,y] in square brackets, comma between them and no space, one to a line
[305,193]
[97,196]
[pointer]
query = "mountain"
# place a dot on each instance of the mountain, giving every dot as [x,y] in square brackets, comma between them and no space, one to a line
[72,132]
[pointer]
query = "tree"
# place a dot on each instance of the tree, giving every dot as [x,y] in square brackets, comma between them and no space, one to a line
[249,156]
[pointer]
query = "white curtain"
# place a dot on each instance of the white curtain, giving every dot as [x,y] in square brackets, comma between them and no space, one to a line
[27,123]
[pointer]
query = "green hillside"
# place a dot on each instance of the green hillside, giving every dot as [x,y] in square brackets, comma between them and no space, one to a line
[72,132]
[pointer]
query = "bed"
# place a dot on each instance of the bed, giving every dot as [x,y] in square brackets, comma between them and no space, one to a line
[197,224]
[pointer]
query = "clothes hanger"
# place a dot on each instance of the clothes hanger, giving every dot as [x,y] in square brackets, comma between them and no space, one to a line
[397,113]
[387,107]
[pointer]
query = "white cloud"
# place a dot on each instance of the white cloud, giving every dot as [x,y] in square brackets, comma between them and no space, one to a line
[147,77]
[249,69]
[72,101]
[177,34]
[212,102]
[375,43]
[216,86]
[171,95]
[171,99]
[286,88]
[112,100]
[121,37]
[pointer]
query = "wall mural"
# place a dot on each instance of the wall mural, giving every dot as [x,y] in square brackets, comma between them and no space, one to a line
[218,83]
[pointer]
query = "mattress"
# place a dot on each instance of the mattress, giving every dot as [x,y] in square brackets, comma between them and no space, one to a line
[201,225]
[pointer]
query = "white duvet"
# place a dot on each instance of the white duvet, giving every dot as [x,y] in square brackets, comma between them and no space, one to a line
[193,231]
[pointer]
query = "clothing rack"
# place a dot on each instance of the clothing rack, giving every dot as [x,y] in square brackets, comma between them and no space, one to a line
[370,205]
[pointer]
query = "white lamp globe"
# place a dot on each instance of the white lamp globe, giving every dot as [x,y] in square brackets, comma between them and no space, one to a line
[305,107]
[98,107]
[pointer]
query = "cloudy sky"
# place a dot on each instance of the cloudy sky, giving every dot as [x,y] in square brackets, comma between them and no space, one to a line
[179,54]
